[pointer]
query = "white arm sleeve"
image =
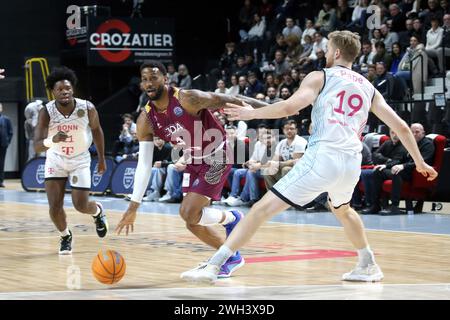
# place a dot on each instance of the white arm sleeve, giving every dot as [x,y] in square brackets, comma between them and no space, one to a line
[143,170]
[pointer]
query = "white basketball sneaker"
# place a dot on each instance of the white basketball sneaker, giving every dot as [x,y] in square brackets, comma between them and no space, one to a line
[371,273]
[205,272]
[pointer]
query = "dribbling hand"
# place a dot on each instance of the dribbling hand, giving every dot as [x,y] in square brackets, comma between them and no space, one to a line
[127,222]
[60,136]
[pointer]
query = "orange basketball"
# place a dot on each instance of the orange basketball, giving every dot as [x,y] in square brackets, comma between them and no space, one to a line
[108,267]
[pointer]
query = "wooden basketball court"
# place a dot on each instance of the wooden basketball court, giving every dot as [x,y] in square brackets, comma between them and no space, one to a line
[284,260]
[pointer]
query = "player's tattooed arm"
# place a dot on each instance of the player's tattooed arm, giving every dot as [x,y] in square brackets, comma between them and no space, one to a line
[196,100]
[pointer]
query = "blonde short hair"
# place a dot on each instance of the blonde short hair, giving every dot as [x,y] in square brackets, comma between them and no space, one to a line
[347,42]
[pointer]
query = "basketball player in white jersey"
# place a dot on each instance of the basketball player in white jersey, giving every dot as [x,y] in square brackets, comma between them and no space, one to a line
[66,128]
[341,101]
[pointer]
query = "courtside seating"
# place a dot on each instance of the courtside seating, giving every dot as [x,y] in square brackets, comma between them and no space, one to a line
[419,188]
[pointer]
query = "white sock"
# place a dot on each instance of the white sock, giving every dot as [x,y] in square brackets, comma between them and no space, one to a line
[211,216]
[64,233]
[99,210]
[221,256]
[365,257]
[229,217]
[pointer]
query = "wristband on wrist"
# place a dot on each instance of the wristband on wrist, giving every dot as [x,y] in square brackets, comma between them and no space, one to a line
[48,142]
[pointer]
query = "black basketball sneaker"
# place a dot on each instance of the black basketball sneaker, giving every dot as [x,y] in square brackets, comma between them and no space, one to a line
[101,224]
[66,245]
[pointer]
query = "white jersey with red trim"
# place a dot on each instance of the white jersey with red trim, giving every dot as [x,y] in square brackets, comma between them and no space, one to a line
[76,125]
[340,112]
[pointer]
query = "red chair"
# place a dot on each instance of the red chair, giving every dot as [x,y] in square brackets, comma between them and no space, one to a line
[419,188]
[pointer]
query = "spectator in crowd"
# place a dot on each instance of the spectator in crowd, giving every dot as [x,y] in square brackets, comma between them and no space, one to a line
[404,36]
[294,50]
[371,73]
[404,70]
[396,55]
[251,171]
[397,17]
[358,14]
[388,36]
[246,15]
[382,55]
[240,69]
[279,66]
[6,134]
[285,93]
[280,44]
[272,95]
[320,63]
[445,7]
[309,31]
[234,88]
[31,118]
[343,14]
[307,48]
[399,172]
[228,59]
[254,85]
[285,9]
[384,81]
[288,82]
[221,88]
[243,84]
[251,64]
[237,150]
[433,11]
[326,20]
[320,42]
[172,74]
[125,138]
[376,37]
[295,75]
[173,183]
[434,41]
[270,82]
[287,153]
[292,29]
[162,158]
[446,43]
[184,79]
[419,31]
[266,10]
[257,30]
[130,148]
[366,57]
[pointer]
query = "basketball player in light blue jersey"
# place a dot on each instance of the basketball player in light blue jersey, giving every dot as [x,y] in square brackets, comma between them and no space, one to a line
[341,102]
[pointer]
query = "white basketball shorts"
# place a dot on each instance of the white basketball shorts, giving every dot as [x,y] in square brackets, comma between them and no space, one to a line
[77,169]
[321,171]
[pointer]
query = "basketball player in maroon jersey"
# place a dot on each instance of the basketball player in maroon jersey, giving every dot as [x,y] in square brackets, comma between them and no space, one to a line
[184,116]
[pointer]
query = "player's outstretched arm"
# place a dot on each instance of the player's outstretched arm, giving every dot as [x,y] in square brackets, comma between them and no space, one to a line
[196,100]
[303,97]
[144,133]
[385,113]
[98,137]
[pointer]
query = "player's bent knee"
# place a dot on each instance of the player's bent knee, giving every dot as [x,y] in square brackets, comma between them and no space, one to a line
[190,215]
